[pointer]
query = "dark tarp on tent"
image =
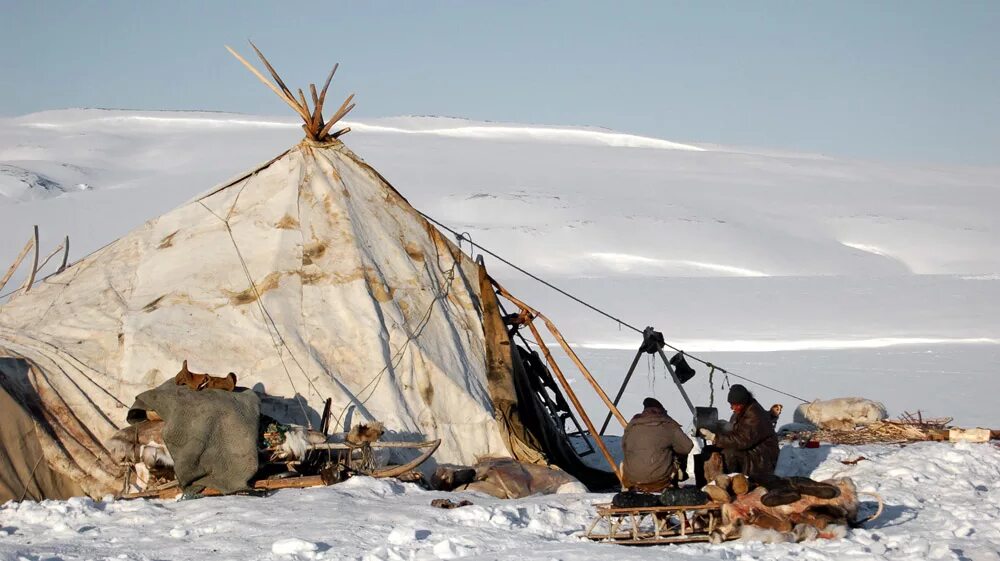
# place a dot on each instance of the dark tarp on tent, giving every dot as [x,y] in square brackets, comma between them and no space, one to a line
[24,473]
[532,435]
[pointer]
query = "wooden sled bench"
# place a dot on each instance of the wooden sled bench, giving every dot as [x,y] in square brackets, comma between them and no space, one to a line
[653,525]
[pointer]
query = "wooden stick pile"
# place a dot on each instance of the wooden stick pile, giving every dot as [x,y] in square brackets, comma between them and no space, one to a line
[316,128]
[877,433]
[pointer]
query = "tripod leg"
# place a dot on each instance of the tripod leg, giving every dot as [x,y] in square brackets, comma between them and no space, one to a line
[621,390]
[670,368]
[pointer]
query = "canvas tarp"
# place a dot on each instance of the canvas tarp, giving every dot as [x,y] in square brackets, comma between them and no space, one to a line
[211,434]
[24,473]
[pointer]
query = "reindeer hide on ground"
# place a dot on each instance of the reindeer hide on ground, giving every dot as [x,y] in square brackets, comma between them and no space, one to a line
[828,516]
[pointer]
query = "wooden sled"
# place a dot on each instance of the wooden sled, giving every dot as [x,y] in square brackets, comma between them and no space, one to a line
[429,447]
[653,525]
[171,490]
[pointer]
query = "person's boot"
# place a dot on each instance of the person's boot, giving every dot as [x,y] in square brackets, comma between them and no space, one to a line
[717,494]
[722,480]
[713,466]
[780,496]
[807,486]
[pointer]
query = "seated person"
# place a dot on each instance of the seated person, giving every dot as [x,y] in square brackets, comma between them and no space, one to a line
[751,447]
[652,444]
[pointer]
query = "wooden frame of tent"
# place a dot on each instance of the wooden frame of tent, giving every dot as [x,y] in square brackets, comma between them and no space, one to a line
[32,243]
[528,315]
[316,129]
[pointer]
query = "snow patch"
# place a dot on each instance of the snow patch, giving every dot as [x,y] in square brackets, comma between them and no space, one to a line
[295,547]
[628,263]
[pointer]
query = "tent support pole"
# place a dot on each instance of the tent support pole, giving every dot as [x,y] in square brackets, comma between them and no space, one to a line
[576,402]
[583,369]
[569,351]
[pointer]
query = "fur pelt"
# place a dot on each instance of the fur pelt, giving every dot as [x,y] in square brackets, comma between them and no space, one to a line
[842,413]
[752,533]
[141,443]
[365,432]
[198,382]
[298,439]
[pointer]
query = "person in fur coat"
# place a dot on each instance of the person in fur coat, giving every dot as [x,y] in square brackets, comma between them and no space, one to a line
[751,447]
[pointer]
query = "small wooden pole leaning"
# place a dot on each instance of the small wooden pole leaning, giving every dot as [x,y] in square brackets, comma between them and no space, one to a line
[576,402]
[17,262]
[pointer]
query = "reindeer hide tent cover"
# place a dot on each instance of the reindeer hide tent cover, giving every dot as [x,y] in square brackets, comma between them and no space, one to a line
[310,275]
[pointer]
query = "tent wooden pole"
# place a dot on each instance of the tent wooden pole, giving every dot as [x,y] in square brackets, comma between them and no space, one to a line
[274,73]
[322,94]
[291,102]
[562,342]
[17,262]
[34,264]
[583,369]
[65,255]
[344,109]
[573,398]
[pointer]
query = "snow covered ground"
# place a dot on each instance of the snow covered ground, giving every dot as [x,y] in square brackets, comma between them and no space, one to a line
[942,503]
[817,275]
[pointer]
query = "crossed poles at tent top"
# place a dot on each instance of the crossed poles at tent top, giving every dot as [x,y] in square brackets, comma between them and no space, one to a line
[314,125]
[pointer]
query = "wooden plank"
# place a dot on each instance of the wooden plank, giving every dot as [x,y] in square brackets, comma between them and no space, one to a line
[17,262]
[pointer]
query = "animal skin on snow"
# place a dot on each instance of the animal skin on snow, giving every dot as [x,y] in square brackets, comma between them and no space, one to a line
[842,413]
[828,516]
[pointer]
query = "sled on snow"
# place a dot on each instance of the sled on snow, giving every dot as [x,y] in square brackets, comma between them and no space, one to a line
[654,525]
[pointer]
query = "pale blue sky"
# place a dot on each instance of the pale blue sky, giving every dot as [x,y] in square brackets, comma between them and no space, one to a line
[909,80]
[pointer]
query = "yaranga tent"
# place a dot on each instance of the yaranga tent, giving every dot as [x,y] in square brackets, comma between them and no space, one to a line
[311,278]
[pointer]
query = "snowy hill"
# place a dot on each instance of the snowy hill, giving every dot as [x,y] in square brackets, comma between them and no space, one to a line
[859,277]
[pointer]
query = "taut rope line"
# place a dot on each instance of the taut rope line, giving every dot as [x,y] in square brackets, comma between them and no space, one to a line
[464,237]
